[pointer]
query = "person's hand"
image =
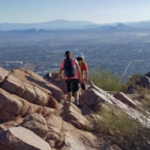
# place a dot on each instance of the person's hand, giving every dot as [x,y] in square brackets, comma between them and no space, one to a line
[57,79]
[80,81]
[86,81]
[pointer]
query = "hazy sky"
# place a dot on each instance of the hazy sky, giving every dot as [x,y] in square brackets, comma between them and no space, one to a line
[97,11]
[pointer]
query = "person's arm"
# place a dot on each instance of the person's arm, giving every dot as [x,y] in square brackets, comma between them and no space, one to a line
[79,72]
[86,76]
[86,72]
[59,74]
[60,71]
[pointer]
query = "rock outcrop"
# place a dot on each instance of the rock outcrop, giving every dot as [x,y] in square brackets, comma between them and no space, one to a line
[19,138]
[37,124]
[3,74]
[61,84]
[125,99]
[140,81]
[34,114]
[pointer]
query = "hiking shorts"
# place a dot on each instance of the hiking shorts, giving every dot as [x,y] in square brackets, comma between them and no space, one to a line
[72,85]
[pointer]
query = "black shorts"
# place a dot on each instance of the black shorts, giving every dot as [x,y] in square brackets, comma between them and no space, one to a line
[72,85]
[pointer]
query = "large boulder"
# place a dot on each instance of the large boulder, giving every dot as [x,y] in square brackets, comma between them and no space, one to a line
[34,79]
[72,142]
[141,81]
[26,74]
[103,97]
[125,99]
[78,139]
[93,98]
[73,115]
[54,123]
[25,100]
[63,135]
[3,74]
[37,124]
[10,106]
[56,91]
[53,103]
[61,84]
[54,136]
[19,138]
[26,90]
[145,81]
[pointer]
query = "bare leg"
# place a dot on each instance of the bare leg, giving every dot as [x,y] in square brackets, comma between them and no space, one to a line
[76,97]
[69,96]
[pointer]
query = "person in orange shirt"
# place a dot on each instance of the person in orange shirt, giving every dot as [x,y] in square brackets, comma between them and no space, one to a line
[83,67]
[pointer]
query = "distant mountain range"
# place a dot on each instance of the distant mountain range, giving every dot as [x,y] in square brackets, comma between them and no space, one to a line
[51,25]
[74,25]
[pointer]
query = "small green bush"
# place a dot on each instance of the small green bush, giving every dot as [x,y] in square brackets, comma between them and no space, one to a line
[106,80]
[142,94]
[122,130]
[118,124]
[133,79]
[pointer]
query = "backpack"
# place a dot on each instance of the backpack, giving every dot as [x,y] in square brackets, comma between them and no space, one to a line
[69,68]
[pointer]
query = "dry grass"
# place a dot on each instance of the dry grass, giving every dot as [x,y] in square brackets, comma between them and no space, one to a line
[117,124]
[143,95]
[123,130]
[106,80]
[134,77]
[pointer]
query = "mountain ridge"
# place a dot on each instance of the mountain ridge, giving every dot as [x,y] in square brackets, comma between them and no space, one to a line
[50,25]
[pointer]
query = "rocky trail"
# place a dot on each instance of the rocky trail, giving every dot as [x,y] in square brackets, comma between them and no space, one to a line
[34,114]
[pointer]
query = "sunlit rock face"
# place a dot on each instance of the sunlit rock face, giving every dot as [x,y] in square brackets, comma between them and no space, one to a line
[35,114]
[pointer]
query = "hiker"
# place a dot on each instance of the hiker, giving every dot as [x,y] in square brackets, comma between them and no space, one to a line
[72,75]
[84,70]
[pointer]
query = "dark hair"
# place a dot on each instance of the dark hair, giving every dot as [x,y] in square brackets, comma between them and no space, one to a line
[67,54]
[79,59]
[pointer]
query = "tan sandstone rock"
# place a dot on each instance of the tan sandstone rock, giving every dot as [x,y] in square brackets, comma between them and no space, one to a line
[3,74]
[65,127]
[78,139]
[54,136]
[10,106]
[93,98]
[74,116]
[25,90]
[19,138]
[35,79]
[37,124]
[125,99]
[61,84]
[54,123]
[102,97]
[53,103]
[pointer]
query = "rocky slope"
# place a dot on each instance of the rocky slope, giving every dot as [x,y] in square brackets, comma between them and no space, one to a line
[34,114]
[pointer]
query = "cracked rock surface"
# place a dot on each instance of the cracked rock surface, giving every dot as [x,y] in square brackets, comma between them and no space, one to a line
[34,114]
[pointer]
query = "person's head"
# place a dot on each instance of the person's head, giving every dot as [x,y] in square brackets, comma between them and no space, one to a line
[68,54]
[80,57]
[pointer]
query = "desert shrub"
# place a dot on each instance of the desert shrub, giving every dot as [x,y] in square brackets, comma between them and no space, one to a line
[133,78]
[119,128]
[142,94]
[106,80]
[117,123]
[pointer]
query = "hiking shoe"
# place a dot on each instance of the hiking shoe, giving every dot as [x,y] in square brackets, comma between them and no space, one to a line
[79,105]
[67,102]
